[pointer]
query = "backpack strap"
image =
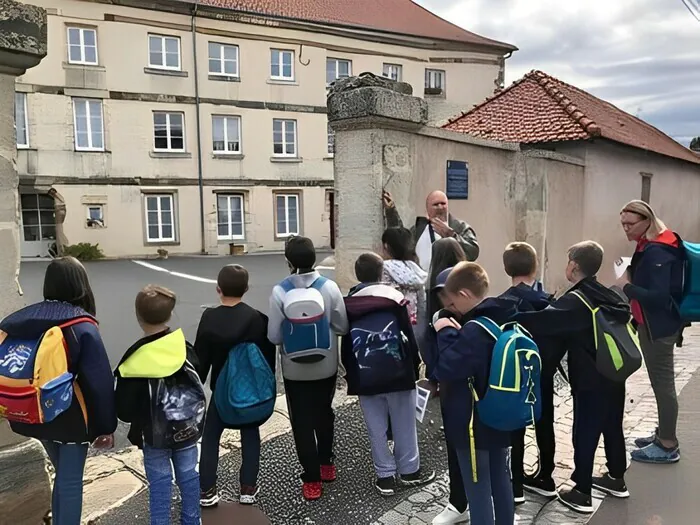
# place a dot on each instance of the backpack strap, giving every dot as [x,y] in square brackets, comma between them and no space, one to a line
[583,299]
[490,326]
[318,283]
[76,321]
[287,285]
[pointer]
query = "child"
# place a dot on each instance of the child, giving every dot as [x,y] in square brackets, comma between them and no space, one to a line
[520,264]
[220,330]
[309,352]
[599,404]
[462,359]
[156,369]
[381,359]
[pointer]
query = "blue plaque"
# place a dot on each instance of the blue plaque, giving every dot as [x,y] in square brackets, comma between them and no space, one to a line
[457,179]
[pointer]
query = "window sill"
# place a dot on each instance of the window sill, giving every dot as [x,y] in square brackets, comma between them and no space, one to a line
[288,160]
[223,78]
[329,157]
[228,156]
[434,95]
[231,241]
[93,67]
[284,238]
[281,82]
[25,148]
[162,243]
[165,72]
[170,154]
[93,151]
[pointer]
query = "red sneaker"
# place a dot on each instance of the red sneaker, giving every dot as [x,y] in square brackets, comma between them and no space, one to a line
[312,491]
[328,473]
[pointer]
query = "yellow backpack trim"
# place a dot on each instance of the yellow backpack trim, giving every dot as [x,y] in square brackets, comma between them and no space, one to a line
[157,359]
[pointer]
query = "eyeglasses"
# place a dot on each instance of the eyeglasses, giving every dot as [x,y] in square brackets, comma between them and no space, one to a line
[629,225]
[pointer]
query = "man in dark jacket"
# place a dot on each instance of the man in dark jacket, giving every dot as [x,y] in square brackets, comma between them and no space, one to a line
[437,225]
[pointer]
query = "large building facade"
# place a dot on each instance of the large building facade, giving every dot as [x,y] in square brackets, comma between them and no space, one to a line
[196,128]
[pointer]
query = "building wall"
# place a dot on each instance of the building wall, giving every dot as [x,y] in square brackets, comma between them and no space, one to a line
[130,92]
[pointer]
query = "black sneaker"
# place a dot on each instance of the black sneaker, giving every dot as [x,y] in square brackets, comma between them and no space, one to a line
[612,486]
[386,486]
[518,494]
[576,500]
[209,498]
[417,478]
[543,487]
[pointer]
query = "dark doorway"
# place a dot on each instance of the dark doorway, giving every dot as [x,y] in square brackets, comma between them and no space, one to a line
[333,214]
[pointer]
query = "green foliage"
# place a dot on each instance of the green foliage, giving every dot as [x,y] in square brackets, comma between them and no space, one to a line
[84,251]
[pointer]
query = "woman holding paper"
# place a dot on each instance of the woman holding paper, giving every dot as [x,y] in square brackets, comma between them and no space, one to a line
[654,284]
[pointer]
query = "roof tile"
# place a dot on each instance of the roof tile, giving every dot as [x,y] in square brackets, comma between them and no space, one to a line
[540,108]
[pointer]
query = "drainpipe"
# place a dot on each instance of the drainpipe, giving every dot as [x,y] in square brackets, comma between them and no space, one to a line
[199,128]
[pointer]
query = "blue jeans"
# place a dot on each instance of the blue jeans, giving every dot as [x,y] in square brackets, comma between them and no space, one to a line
[159,468]
[68,461]
[493,490]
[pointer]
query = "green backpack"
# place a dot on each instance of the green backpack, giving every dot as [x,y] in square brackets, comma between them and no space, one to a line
[618,354]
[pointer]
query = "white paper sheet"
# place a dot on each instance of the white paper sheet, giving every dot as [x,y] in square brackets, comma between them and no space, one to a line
[621,266]
[422,398]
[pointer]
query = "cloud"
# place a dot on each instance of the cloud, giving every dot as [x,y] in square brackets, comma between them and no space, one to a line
[641,55]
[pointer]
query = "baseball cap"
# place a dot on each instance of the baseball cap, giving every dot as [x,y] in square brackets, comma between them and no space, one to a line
[441,279]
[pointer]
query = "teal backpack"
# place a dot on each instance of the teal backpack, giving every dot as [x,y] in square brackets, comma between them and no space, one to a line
[690,304]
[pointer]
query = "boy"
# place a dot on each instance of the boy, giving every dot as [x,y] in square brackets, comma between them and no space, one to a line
[520,264]
[220,330]
[307,314]
[162,362]
[463,359]
[381,360]
[599,404]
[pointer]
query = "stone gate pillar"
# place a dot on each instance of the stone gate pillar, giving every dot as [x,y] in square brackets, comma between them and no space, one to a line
[374,119]
[24,483]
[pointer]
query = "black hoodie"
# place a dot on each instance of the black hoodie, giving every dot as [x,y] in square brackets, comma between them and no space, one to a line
[570,322]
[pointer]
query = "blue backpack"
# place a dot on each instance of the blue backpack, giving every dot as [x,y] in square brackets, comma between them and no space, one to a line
[246,388]
[690,304]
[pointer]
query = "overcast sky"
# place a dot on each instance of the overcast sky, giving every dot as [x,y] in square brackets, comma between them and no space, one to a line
[641,55]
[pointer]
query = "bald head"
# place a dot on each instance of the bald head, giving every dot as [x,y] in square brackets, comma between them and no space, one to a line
[436,205]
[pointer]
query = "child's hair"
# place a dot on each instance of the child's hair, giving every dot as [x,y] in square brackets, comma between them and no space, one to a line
[468,276]
[399,243]
[66,280]
[233,280]
[369,267]
[588,256]
[155,305]
[520,260]
[300,253]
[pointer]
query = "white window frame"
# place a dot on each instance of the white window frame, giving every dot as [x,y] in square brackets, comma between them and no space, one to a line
[163,39]
[337,62]
[287,197]
[168,132]
[100,207]
[284,143]
[222,61]
[82,30]
[431,75]
[23,104]
[160,237]
[280,63]
[229,197]
[387,69]
[330,141]
[91,146]
[226,151]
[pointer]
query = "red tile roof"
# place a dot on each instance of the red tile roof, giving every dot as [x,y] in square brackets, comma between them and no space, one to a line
[394,16]
[540,108]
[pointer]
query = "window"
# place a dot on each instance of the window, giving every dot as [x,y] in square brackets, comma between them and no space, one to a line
[331,140]
[223,59]
[169,131]
[646,187]
[164,52]
[336,69]
[229,210]
[226,132]
[284,138]
[287,215]
[434,81]
[21,122]
[82,46]
[281,65]
[38,218]
[160,226]
[393,71]
[95,216]
[89,129]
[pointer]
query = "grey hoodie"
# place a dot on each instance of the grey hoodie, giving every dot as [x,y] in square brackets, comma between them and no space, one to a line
[335,311]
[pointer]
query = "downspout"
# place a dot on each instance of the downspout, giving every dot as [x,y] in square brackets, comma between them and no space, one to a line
[199,128]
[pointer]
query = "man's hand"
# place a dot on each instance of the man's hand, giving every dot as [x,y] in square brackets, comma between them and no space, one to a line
[446,322]
[104,442]
[387,199]
[442,228]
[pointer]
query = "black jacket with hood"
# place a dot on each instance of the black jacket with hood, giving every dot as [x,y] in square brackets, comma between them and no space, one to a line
[152,357]
[570,323]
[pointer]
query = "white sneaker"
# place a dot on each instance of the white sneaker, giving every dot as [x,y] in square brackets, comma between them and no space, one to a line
[451,516]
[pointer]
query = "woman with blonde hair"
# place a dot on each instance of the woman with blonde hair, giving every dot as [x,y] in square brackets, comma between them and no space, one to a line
[654,285]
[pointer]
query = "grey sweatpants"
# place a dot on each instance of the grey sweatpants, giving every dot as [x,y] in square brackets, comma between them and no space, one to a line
[658,356]
[400,408]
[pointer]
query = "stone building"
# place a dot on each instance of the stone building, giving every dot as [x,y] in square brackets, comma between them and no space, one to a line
[197,125]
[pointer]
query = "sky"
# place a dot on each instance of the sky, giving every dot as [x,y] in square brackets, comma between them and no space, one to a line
[641,55]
